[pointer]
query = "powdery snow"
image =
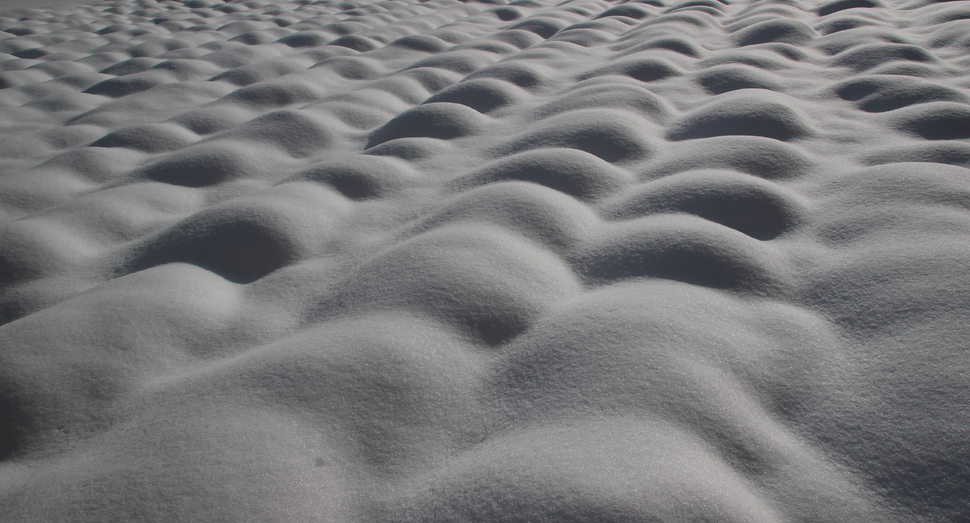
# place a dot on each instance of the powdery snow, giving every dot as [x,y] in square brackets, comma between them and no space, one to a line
[535,261]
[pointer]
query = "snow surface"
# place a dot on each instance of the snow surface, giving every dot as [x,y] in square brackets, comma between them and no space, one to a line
[539,261]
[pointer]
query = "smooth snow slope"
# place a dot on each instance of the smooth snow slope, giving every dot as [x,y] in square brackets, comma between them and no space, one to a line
[442,261]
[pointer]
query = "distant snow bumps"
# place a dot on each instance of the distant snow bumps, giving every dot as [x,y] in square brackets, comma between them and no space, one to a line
[397,260]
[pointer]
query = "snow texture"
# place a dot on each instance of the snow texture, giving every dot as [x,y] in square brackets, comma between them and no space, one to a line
[538,261]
